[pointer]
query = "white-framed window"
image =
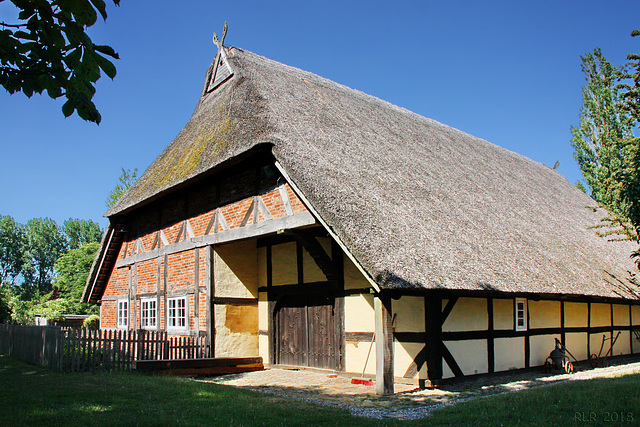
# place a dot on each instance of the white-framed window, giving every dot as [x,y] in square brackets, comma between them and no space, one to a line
[177,313]
[148,313]
[521,314]
[123,314]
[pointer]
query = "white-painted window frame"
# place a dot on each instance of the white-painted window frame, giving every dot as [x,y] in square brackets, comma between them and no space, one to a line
[521,320]
[148,313]
[178,313]
[122,313]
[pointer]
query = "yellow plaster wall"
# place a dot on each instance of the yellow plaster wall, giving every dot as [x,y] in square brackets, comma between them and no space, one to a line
[263,312]
[236,331]
[600,315]
[541,346]
[576,343]
[310,270]
[595,340]
[508,353]
[235,270]
[620,315]
[356,355]
[469,314]
[622,345]
[359,317]
[503,314]
[359,314]
[576,315]
[263,343]
[544,314]
[285,264]
[403,357]
[470,355]
[409,312]
[353,278]
[263,325]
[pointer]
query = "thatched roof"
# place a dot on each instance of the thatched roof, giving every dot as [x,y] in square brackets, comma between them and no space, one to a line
[418,203]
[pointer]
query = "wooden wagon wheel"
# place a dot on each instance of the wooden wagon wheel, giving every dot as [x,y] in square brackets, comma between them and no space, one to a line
[567,366]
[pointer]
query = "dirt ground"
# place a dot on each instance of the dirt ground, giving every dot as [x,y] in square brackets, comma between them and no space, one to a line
[408,402]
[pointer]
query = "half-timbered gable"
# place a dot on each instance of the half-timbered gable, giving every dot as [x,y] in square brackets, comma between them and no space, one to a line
[316,226]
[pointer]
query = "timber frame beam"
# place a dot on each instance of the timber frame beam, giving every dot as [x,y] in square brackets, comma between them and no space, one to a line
[248,231]
[320,256]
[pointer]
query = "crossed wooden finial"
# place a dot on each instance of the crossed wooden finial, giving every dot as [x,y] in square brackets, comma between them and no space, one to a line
[217,42]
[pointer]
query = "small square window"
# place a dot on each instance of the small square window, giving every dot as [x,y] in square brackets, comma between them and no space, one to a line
[123,314]
[149,313]
[521,314]
[177,313]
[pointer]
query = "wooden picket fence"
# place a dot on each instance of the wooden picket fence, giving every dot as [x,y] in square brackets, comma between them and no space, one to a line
[38,345]
[84,350]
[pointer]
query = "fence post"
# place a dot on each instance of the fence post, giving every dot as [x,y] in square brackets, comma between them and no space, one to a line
[165,339]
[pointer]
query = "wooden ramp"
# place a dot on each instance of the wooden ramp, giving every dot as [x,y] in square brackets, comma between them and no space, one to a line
[213,366]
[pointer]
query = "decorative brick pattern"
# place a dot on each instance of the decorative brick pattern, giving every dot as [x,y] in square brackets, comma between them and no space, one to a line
[196,205]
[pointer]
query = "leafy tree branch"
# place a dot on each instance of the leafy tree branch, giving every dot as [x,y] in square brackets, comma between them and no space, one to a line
[50,50]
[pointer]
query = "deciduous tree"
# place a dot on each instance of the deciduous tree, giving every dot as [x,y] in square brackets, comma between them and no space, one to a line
[12,246]
[47,48]
[46,242]
[629,174]
[80,232]
[72,270]
[598,140]
[125,181]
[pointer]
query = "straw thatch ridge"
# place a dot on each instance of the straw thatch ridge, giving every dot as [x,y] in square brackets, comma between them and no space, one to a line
[418,203]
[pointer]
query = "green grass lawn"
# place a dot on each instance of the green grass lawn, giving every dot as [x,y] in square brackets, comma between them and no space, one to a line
[31,395]
[600,401]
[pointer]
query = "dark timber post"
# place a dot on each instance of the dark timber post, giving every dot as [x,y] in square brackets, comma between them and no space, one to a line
[433,328]
[211,339]
[384,344]
[338,261]
[491,355]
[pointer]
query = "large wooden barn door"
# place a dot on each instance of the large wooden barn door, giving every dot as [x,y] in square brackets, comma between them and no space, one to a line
[305,330]
[291,326]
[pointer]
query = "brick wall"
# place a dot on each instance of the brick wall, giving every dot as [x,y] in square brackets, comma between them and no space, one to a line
[233,195]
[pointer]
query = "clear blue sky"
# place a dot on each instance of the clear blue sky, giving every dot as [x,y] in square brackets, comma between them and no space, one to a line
[505,71]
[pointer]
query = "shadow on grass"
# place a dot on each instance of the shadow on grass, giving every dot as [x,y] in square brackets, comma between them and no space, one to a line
[35,396]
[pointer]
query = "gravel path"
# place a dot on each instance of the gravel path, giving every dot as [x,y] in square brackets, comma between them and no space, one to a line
[408,402]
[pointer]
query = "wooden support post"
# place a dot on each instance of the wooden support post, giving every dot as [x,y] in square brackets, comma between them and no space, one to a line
[491,364]
[158,292]
[631,335]
[129,298]
[133,306]
[433,328]
[384,344]
[209,301]
[588,329]
[271,298]
[196,293]
[165,283]
[563,334]
[338,262]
